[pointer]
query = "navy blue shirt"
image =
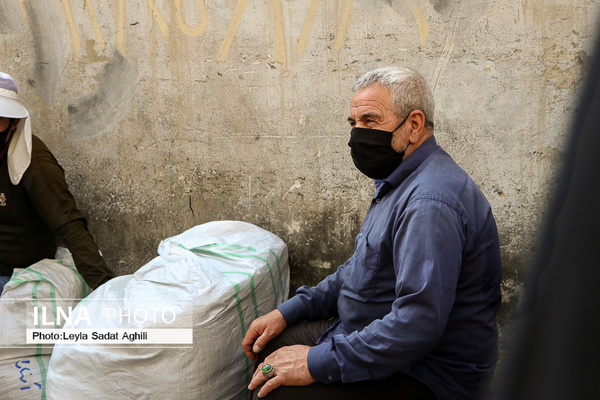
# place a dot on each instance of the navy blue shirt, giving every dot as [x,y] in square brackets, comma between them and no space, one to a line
[421,291]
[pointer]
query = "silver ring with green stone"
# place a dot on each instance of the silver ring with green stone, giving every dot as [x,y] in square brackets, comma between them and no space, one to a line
[268,371]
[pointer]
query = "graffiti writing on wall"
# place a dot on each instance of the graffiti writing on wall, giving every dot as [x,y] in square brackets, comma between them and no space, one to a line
[200,27]
[94,25]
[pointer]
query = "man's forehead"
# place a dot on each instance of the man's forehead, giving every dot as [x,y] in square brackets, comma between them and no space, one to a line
[372,100]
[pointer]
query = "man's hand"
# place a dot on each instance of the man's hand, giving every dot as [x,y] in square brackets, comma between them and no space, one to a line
[261,332]
[291,369]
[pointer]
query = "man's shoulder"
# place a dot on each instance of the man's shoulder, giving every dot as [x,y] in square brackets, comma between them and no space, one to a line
[440,173]
[40,153]
[441,178]
[42,160]
[38,147]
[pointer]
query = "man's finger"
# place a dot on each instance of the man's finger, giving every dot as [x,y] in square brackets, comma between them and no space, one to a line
[249,341]
[271,384]
[257,378]
[261,332]
[258,372]
[250,354]
[260,343]
[256,382]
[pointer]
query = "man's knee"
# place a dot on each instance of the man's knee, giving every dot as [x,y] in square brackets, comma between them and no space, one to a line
[306,333]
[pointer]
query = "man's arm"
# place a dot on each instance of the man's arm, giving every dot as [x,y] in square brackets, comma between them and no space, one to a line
[314,303]
[88,260]
[52,200]
[308,304]
[427,263]
[427,255]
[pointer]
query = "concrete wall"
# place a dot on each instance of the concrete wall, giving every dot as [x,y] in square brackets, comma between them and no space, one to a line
[168,114]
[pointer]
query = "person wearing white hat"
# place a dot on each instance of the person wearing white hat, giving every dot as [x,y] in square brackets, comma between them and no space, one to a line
[36,205]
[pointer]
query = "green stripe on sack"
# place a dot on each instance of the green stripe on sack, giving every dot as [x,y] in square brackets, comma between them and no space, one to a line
[235,246]
[35,304]
[281,289]
[279,270]
[34,296]
[252,291]
[226,252]
[232,246]
[228,255]
[78,275]
[42,278]
[43,373]
[240,311]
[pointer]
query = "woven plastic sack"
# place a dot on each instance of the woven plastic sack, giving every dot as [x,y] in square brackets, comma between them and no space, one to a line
[39,289]
[23,378]
[222,275]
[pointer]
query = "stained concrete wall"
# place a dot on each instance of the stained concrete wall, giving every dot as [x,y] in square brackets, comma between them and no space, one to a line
[166,114]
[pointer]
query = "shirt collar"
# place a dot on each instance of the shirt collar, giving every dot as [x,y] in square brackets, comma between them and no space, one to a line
[406,167]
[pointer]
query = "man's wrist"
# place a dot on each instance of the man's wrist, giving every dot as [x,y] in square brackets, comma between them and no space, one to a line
[291,310]
[321,364]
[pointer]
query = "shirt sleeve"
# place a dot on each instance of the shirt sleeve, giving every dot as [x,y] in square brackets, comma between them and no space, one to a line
[427,256]
[314,303]
[50,196]
[47,189]
[88,260]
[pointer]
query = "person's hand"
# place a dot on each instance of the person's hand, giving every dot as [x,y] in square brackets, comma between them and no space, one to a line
[262,331]
[291,369]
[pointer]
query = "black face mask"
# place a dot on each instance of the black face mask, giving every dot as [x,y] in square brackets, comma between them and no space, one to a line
[3,136]
[372,151]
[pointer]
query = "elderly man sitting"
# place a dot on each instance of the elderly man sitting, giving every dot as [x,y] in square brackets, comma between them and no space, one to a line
[412,314]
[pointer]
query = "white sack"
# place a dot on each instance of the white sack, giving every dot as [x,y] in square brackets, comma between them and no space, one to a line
[23,378]
[47,285]
[222,275]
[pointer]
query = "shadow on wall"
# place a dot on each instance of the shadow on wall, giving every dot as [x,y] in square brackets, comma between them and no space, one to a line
[98,112]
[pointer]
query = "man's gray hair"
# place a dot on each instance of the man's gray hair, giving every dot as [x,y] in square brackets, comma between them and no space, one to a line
[408,88]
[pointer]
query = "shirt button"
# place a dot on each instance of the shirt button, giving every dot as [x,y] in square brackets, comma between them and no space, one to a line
[377,200]
[330,378]
[65,211]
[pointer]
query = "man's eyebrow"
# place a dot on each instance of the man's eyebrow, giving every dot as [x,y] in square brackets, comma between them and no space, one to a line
[366,115]
[369,115]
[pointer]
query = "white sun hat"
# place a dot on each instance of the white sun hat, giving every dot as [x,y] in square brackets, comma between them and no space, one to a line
[19,150]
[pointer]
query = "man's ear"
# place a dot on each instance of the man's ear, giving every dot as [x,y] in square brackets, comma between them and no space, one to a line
[417,125]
